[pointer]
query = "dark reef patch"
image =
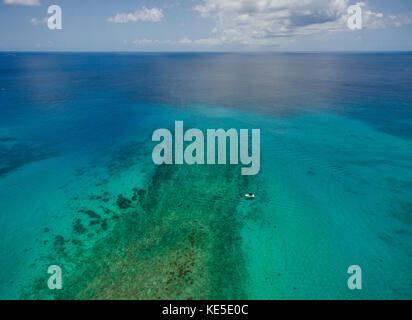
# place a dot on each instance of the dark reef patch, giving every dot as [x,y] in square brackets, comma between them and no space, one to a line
[138,194]
[15,154]
[59,243]
[123,203]
[78,227]
[91,214]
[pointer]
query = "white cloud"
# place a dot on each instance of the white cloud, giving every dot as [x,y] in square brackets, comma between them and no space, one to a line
[268,22]
[23,2]
[152,15]
[37,21]
[402,19]
[149,42]
[373,20]
[255,23]
[273,22]
[207,42]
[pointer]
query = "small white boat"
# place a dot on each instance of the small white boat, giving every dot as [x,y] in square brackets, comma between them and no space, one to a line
[250,196]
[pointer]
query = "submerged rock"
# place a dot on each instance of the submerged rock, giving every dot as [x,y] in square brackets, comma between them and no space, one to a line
[78,227]
[91,214]
[93,222]
[138,194]
[104,224]
[77,242]
[123,202]
[58,241]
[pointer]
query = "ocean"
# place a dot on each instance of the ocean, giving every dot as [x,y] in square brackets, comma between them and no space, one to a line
[79,189]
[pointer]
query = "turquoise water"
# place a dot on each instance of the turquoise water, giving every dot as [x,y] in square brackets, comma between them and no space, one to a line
[78,187]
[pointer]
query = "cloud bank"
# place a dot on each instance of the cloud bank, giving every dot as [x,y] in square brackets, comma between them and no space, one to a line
[151,15]
[272,22]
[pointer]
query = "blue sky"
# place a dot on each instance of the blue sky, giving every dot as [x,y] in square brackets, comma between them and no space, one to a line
[205,25]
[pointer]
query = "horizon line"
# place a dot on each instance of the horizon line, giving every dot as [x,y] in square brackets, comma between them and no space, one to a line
[215,52]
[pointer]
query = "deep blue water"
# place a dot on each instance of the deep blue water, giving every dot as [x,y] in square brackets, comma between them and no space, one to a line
[352,84]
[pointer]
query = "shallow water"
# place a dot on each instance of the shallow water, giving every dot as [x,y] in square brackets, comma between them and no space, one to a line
[78,187]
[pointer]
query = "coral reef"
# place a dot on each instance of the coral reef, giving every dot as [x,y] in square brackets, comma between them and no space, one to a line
[176,237]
